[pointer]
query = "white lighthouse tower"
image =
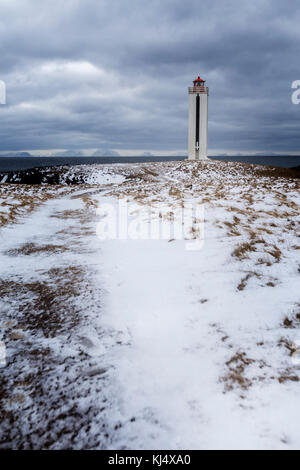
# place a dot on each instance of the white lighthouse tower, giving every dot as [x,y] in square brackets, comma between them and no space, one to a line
[198,120]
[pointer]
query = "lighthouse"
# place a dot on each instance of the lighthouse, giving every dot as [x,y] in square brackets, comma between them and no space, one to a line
[198,120]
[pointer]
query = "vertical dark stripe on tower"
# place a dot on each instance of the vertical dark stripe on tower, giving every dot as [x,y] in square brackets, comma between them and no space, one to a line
[197,117]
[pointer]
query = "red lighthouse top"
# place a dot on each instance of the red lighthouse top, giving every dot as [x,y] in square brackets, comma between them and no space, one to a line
[198,81]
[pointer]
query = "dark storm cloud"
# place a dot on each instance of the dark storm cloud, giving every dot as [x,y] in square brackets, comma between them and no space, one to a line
[114,74]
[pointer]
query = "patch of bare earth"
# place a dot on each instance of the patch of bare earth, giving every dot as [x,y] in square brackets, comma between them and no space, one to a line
[235,375]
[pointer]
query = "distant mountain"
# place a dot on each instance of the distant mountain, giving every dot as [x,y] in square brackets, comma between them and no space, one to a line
[105,153]
[16,155]
[23,154]
[68,153]
[147,154]
[180,154]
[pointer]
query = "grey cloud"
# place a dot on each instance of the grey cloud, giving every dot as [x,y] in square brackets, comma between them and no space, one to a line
[114,74]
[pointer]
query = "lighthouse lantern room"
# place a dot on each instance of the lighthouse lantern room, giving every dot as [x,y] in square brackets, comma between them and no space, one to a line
[198,120]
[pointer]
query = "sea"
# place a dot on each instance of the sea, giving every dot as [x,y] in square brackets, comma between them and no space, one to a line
[25,163]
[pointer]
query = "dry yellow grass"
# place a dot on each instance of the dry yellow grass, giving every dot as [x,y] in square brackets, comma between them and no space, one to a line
[20,200]
[236,372]
[245,280]
[241,251]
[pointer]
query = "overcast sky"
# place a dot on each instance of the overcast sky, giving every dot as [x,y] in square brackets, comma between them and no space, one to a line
[87,74]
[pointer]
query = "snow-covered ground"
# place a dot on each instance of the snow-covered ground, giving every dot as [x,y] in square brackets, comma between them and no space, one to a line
[142,343]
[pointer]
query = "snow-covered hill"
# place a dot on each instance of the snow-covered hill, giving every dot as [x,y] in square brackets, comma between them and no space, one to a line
[143,343]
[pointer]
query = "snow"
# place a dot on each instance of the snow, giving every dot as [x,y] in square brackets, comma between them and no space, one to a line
[171,370]
[95,175]
[169,348]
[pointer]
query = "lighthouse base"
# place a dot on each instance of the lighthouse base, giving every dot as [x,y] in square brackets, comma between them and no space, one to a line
[197,156]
